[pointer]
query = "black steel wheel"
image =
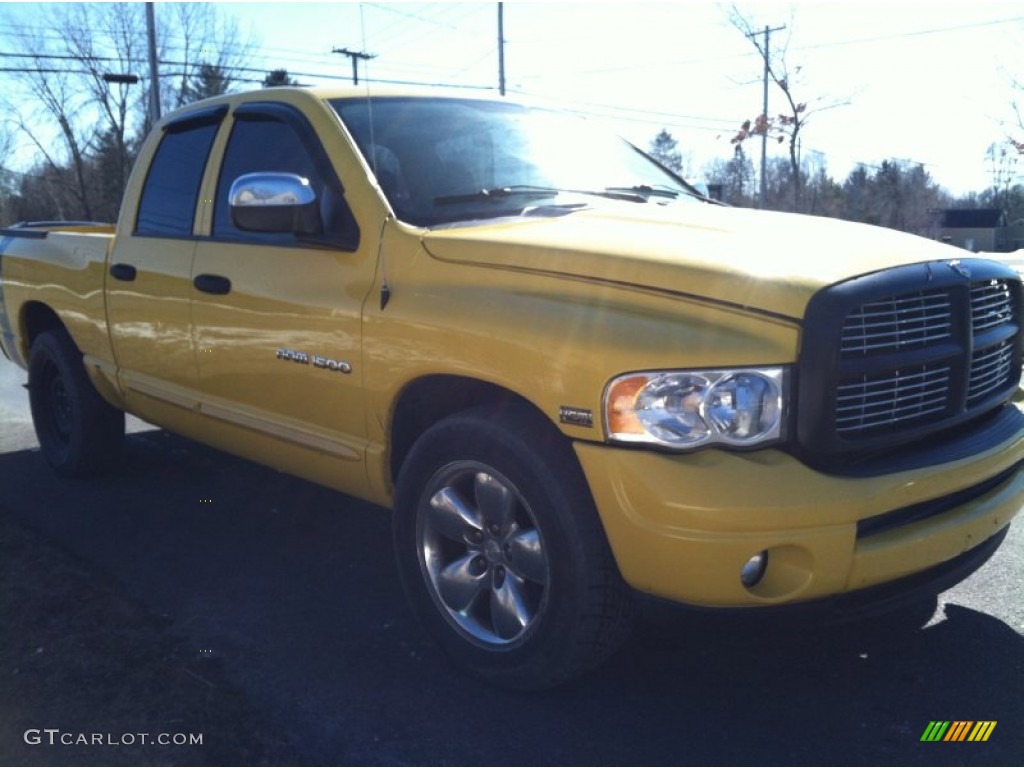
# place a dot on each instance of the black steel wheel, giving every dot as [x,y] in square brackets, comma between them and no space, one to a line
[502,553]
[79,432]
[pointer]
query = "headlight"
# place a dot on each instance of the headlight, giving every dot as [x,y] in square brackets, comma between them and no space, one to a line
[689,409]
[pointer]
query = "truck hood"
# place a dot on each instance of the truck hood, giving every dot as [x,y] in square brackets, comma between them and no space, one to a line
[771,262]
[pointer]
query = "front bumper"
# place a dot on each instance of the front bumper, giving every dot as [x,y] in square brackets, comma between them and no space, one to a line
[683,526]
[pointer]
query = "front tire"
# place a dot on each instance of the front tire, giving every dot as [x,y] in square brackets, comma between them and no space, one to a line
[79,432]
[502,553]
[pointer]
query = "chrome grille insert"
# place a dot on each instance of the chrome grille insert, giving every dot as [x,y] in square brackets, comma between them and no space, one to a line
[896,397]
[991,370]
[991,305]
[897,323]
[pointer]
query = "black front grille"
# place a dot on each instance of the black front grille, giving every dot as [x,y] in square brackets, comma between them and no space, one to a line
[898,355]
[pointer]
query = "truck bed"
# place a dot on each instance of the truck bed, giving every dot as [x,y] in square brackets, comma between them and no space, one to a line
[55,264]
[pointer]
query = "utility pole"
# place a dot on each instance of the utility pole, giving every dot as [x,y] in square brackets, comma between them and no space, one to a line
[764,110]
[501,48]
[355,56]
[154,75]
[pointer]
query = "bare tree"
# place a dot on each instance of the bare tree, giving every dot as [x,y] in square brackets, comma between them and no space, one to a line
[49,95]
[202,45]
[785,127]
[67,82]
[108,39]
[6,144]
[7,183]
[85,124]
[1017,142]
[1003,159]
[822,195]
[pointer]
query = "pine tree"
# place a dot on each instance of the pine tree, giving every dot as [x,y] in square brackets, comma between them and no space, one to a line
[210,80]
[664,149]
[278,77]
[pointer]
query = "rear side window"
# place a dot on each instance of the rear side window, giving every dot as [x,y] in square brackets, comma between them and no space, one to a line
[168,204]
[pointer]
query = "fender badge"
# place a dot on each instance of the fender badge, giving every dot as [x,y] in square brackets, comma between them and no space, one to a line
[959,267]
[578,417]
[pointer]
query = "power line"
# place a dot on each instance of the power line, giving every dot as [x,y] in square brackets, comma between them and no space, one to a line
[665,120]
[453,16]
[58,56]
[255,70]
[406,14]
[902,35]
[140,60]
[463,13]
[646,116]
[45,71]
[323,76]
[661,118]
[460,12]
[704,60]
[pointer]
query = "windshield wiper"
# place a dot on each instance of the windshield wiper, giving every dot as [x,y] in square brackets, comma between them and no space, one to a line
[497,194]
[648,191]
[663,190]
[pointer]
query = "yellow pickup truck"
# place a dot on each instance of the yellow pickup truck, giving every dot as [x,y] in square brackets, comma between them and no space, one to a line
[572,377]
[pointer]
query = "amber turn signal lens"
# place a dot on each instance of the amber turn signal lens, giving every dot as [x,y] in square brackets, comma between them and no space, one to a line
[622,418]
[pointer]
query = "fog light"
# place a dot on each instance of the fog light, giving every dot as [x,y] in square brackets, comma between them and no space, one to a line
[753,570]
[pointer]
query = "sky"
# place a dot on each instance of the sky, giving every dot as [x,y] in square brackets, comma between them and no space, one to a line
[926,82]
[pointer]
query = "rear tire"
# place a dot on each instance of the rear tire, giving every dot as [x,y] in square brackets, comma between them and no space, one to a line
[502,553]
[79,432]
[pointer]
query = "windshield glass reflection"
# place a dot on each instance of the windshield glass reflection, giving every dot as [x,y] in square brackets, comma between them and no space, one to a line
[444,160]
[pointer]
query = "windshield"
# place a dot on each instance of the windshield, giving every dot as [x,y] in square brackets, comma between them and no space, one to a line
[441,160]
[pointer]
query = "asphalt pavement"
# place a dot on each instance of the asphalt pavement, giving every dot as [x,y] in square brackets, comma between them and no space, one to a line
[292,588]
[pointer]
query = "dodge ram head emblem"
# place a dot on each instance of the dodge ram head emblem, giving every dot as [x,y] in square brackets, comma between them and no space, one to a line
[959,267]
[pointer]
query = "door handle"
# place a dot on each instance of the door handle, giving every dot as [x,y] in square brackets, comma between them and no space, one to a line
[124,272]
[215,284]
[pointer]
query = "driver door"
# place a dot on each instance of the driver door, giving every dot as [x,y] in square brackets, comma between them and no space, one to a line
[277,318]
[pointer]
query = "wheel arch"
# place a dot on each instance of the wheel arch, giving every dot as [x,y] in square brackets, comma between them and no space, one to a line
[79,432]
[427,400]
[36,318]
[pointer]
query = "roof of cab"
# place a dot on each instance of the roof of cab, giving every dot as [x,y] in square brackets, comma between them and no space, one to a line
[298,94]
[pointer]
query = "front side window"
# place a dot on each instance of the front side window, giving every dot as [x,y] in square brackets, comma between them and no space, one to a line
[264,143]
[167,206]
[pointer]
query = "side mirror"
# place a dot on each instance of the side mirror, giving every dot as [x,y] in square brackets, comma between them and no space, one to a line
[274,202]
